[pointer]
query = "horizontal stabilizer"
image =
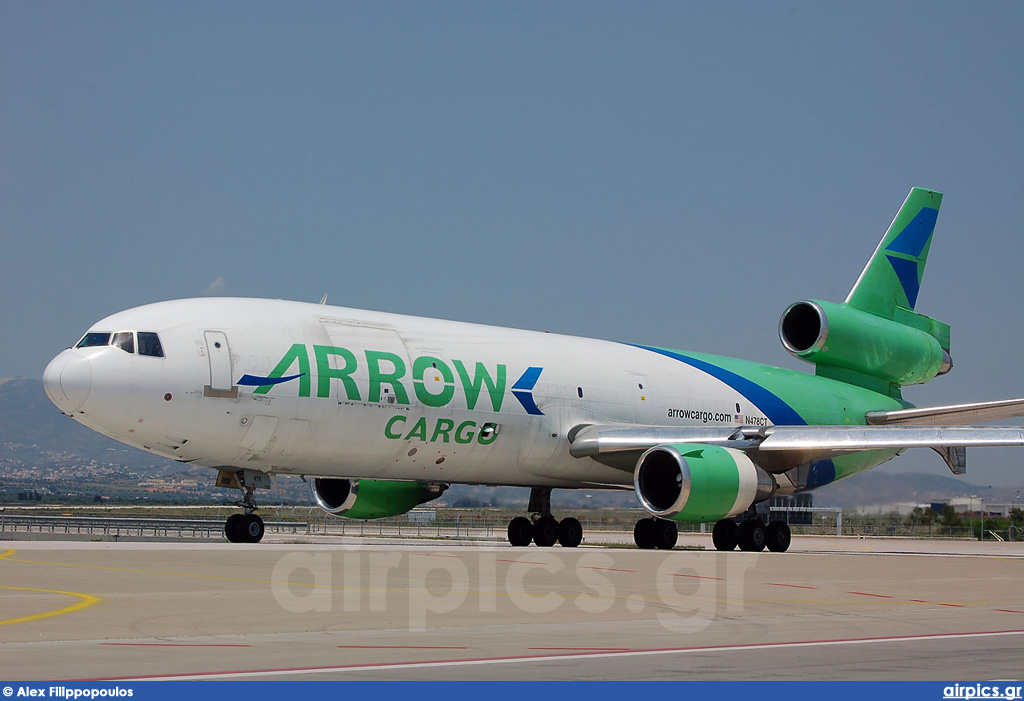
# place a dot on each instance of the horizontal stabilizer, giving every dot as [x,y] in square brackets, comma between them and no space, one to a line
[953,415]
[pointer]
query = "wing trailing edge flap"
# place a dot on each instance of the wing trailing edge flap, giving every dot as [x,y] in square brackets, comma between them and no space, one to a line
[593,440]
[952,415]
[620,447]
[780,448]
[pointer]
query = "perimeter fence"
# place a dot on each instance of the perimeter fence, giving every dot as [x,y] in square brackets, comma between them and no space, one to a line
[473,524]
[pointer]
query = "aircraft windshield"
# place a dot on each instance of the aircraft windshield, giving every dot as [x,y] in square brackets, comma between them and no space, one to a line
[94,338]
[125,340]
[148,342]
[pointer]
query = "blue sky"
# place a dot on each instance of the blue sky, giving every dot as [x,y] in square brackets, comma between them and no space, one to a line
[665,173]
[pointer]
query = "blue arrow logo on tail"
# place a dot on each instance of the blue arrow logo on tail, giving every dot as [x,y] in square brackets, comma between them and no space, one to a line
[911,243]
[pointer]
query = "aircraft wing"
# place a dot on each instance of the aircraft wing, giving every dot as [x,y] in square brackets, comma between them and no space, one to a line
[779,448]
[956,414]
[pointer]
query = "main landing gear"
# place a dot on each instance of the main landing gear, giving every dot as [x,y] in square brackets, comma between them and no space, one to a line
[247,527]
[543,528]
[650,533]
[752,535]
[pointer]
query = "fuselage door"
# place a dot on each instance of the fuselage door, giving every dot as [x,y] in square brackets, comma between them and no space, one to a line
[220,361]
[641,392]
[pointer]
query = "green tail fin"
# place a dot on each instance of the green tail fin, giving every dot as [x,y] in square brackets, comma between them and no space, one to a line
[892,278]
[889,285]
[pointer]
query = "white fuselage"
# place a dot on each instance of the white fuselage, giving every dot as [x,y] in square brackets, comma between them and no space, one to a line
[372,395]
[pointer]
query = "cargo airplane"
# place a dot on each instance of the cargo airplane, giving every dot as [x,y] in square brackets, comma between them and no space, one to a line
[382,412]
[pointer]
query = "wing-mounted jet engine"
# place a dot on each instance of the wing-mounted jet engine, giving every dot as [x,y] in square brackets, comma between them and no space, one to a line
[366,499]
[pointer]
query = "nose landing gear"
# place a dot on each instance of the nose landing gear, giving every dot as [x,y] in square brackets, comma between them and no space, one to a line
[247,527]
[244,528]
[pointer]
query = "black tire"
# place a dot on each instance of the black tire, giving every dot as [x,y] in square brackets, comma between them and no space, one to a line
[752,536]
[520,532]
[570,533]
[778,536]
[545,531]
[231,528]
[666,534]
[644,534]
[725,535]
[251,528]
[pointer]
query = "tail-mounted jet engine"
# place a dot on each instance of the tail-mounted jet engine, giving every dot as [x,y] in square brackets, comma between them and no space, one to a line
[905,352]
[369,499]
[697,483]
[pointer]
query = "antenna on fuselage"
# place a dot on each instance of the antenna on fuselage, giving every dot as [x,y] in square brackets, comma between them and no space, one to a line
[323,301]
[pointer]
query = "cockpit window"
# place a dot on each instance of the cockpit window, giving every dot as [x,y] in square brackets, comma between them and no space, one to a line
[149,344]
[94,338]
[125,340]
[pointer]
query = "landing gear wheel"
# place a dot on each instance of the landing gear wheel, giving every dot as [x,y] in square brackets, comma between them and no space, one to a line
[520,532]
[666,534]
[644,534]
[778,536]
[752,536]
[570,532]
[231,529]
[725,534]
[545,531]
[251,528]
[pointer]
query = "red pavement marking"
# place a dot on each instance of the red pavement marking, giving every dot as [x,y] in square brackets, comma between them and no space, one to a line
[571,656]
[697,576]
[400,647]
[605,569]
[585,649]
[877,596]
[177,644]
[523,562]
[791,586]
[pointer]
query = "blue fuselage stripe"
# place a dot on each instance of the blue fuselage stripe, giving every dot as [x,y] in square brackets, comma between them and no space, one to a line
[778,412]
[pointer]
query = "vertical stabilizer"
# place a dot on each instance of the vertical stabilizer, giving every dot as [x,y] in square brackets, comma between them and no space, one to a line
[875,339]
[892,278]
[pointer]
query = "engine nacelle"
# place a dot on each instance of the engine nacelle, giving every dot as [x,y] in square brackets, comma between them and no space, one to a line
[840,336]
[699,483]
[369,499]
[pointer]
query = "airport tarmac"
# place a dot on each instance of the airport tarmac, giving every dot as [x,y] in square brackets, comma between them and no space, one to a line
[353,608]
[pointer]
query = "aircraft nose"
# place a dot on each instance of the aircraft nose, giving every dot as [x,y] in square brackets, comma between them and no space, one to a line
[67,380]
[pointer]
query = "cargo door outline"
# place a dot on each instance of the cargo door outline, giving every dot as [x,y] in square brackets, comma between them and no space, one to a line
[359,337]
